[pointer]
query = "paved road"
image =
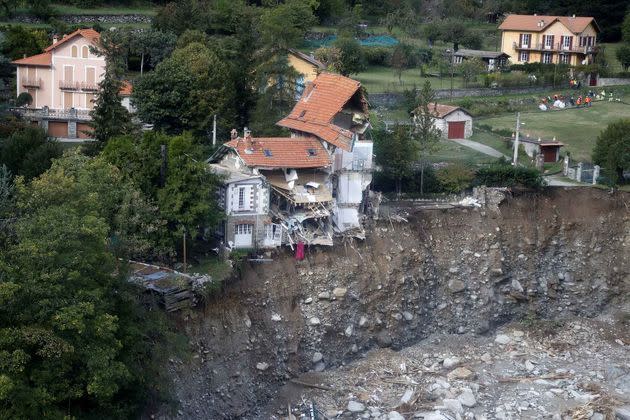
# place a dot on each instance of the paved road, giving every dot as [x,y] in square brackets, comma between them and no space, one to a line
[487,150]
[557,181]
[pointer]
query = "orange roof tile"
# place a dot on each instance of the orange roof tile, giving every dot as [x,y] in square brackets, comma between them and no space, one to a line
[40,60]
[126,89]
[281,152]
[441,110]
[319,104]
[89,34]
[538,23]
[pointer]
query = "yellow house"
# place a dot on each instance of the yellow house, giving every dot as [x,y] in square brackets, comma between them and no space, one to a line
[549,39]
[306,65]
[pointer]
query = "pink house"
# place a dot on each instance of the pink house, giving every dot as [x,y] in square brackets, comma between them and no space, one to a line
[63,82]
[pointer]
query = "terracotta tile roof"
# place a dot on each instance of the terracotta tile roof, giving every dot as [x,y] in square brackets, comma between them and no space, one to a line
[126,89]
[441,110]
[89,34]
[281,152]
[532,23]
[319,104]
[308,58]
[40,60]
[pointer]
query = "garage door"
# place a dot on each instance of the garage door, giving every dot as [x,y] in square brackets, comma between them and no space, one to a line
[456,129]
[57,129]
[243,236]
[84,131]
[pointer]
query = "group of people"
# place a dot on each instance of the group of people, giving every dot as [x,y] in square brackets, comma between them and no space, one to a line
[575,84]
[561,101]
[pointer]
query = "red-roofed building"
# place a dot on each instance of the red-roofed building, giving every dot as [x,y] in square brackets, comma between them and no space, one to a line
[453,122]
[63,82]
[549,39]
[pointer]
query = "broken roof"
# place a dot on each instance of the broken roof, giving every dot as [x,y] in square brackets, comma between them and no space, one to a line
[538,23]
[280,152]
[320,102]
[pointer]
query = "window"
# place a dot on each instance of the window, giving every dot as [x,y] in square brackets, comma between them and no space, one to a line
[564,58]
[526,40]
[524,56]
[243,229]
[547,58]
[311,152]
[566,42]
[241,197]
[89,100]
[299,87]
[84,51]
[75,51]
[267,153]
[548,41]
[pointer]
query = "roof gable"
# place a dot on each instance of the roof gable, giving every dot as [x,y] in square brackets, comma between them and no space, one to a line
[321,101]
[90,34]
[442,110]
[309,59]
[538,23]
[39,60]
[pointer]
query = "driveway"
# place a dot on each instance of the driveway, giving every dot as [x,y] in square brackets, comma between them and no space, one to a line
[487,150]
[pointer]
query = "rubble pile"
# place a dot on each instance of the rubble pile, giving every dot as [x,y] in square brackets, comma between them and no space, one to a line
[575,369]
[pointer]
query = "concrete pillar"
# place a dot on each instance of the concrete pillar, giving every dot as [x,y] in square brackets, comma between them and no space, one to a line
[540,162]
[72,129]
[578,175]
[44,125]
[596,170]
[565,169]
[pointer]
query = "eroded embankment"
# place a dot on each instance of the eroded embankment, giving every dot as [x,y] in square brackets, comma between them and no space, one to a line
[559,253]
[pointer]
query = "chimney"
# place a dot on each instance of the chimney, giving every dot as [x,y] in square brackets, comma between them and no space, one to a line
[55,39]
[573,17]
[247,133]
[233,134]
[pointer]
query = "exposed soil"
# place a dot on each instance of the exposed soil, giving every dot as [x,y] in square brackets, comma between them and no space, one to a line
[458,273]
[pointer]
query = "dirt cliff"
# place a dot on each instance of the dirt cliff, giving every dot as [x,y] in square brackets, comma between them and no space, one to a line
[556,254]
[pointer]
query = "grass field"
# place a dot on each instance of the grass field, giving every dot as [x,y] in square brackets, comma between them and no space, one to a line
[379,79]
[576,128]
[450,151]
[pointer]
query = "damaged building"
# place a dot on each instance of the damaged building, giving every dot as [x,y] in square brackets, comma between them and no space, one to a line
[305,188]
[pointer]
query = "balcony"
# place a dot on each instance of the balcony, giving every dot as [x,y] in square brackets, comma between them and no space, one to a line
[28,82]
[89,86]
[558,47]
[69,85]
[46,113]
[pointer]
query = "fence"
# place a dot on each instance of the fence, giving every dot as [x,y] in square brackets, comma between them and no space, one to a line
[582,171]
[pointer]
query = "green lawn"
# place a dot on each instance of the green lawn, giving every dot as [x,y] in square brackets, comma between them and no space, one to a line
[576,128]
[610,52]
[377,79]
[450,151]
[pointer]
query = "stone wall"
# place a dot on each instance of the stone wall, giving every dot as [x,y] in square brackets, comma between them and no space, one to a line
[610,81]
[76,19]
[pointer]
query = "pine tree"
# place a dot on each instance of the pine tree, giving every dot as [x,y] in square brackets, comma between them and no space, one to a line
[427,134]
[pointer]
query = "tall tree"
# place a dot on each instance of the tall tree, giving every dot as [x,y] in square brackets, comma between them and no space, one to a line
[285,24]
[20,41]
[109,117]
[28,152]
[612,150]
[396,152]
[426,132]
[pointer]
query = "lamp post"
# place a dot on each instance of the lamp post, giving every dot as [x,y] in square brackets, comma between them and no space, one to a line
[516,137]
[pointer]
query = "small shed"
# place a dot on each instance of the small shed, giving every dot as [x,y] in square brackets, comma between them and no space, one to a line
[454,122]
[494,59]
[550,149]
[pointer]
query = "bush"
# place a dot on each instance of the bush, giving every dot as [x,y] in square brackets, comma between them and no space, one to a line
[377,56]
[455,177]
[411,184]
[505,175]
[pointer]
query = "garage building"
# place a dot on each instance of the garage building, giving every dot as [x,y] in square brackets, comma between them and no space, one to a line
[454,122]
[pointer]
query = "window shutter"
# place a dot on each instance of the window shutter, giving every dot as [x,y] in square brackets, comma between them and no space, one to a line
[570,43]
[520,40]
[552,40]
[249,198]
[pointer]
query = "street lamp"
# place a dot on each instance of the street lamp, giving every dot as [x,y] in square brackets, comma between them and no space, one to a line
[516,137]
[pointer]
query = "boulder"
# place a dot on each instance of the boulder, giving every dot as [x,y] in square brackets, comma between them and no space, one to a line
[394,415]
[340,292]
[453,405]
[317,357]
[262,366]
[467,398]
[460,373]
[355,407]
[451,362]
[456,286]
[502,339]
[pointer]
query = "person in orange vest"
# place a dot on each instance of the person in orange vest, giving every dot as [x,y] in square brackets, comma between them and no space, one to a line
[588,101]
[579,101]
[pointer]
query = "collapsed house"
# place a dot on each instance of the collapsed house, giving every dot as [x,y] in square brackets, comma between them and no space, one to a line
[304,188]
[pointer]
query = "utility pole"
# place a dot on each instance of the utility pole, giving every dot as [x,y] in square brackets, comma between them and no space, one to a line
[184,250]
[452,71]
[214,131]
[163,167]
[516,135]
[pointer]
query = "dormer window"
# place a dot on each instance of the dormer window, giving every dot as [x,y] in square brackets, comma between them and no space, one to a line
[267,153]
[311,152]
[75,51]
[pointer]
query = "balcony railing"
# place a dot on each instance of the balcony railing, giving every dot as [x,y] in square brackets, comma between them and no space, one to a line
[54,114]
[69,85]
[558,47]
[89,86]
[31,82]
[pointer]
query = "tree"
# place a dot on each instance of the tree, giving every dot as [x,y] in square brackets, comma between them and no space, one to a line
[625,28]
[284,25]
[349,56]
[470,69]
[73,341]
[109,117]
[185,91]
[7,205]
[426,133]
[28,152]
[155,44]
[612,150]
[401,59]
[623,55]
[19,41]
[23,99]
[396,152]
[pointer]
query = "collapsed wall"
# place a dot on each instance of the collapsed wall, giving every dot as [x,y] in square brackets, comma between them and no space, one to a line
[547,255]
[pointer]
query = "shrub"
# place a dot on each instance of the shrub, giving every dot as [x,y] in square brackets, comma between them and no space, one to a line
[505,175]
[377,56]
[455,177]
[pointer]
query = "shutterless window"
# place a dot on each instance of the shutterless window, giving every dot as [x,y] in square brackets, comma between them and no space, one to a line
[75,51]
[526,39]
[84,51]
[311,152]
[241,197]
